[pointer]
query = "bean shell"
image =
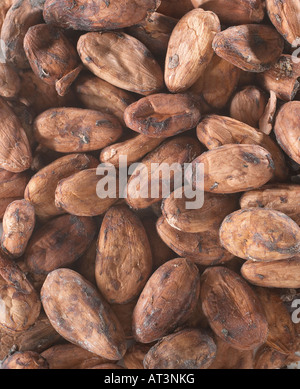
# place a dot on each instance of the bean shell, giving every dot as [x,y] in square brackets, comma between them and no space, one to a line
[15,151]
[260,234]
[59,242]
[129,65]
[134,149]
[285,17]
[266,121]
[234,11]
[233,310]
[248,105]
[190,49]
[168,298]
[174,9]
[217,83]
[71,130]
[18,225]
[186,349]
[80,315]
[287,129]
[154,32]
[282,78]
[40,190]
[161,253]
[229,358]
[100,95]
[284,273]
[10,83]
[80,195]
[104,15]
[212,212]
[281,334]
[124,259]
[4,7]
[38,337]
[250,47]
[20,17]
[168,158]
[39,96]
[21,305]
[281,197]
[248,167]
[202,248]
[267,357]
[70,356]
[217,130]
[12,186]
[50,53]
[163,115]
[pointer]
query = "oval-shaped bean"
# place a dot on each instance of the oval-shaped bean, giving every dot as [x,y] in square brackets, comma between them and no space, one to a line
[124,260]
[247,167]
[59,242]
[284,273]
[71,130]
[163,115]
[260,234]
[121,60]
[203,248]
[40,190]
[169,296]
[81,316]
[18,225]
[250,47]
[85,194]
[103,15]
[233,310]
[186,349]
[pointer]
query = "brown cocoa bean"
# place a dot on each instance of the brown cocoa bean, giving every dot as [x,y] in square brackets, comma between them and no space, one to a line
[73,318]
[162,115]
[232,307]
[250,47]
[124,259]
[186,349]
[18,224]
[91,130]
[260,234]
[40,190]
[129,65]
[166,301]
[105,15]
[59,242]
[190,49]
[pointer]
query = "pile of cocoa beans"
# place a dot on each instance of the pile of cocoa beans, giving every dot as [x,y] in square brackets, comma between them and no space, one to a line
[89,281]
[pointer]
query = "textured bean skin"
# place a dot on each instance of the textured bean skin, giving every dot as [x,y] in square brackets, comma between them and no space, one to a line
[163,305]
[231,307]
[104,15]
[260,234]
[124,259]
[129,65]
[77,311]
